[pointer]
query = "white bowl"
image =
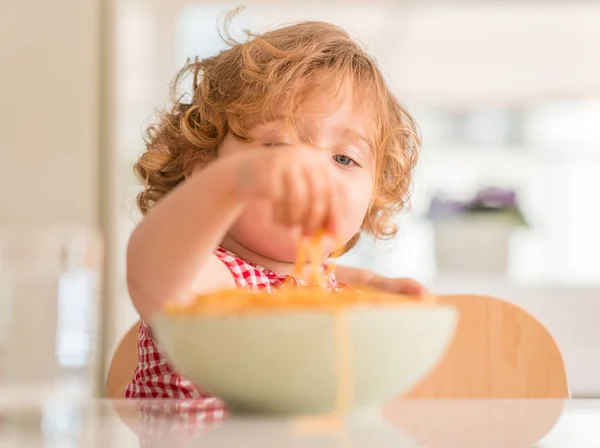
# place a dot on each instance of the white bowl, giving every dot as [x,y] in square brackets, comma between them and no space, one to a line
[285,363]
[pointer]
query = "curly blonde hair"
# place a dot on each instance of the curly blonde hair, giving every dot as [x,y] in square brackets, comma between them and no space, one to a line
[245,84]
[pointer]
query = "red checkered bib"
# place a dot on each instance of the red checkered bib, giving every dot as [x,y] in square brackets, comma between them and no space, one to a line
[154,376]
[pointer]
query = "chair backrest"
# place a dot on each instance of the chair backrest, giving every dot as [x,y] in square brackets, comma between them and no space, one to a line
[499,351]
[502,354]
[122,365]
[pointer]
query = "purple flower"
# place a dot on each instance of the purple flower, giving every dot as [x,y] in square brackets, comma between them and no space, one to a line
[486,200]
[493,197]
[445,207]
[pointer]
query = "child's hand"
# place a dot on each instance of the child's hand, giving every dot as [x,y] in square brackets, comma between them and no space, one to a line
[300,182]
[358,277]
[404,286]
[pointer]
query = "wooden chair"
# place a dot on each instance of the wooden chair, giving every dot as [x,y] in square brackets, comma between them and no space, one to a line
[122,365]
[501,353]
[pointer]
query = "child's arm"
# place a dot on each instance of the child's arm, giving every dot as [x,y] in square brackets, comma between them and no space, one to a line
[170,253]
[173,246]
[358,277]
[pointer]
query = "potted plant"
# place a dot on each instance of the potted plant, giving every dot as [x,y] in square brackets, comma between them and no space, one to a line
[473,236]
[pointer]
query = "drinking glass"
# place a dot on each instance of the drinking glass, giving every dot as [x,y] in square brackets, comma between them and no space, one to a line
[50,311]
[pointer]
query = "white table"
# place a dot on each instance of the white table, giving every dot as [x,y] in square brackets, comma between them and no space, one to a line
[67,422]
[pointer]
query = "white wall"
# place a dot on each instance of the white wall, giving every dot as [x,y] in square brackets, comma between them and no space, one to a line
[49,147]
[439,53]
[496,52]
[49,151]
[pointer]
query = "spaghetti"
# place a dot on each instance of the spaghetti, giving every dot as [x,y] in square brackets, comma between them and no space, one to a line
[290,297]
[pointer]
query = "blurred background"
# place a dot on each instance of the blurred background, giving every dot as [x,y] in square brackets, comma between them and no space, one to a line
[506,94]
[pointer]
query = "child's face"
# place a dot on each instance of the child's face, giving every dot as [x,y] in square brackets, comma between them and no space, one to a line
[346,133]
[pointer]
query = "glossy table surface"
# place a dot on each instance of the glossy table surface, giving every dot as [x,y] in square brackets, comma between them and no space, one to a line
[60,420]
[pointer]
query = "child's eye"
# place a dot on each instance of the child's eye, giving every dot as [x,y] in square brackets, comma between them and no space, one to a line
[343,160]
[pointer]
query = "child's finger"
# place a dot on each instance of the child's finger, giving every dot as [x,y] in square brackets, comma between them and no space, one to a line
[277,195]
[338,208]
[294,203]
[317,182]
[411,287]
[334,212]
[405,286]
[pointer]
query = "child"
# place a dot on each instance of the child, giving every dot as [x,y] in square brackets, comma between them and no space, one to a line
[290,133]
